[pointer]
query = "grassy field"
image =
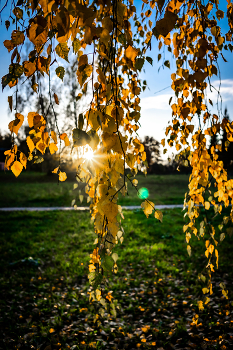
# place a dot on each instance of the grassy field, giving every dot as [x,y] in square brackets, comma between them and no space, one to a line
[38,189]
[44,300]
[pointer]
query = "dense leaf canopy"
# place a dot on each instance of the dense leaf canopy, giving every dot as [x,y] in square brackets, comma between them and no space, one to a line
[111,41]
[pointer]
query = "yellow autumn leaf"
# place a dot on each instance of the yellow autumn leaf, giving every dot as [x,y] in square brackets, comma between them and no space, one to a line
[109,140]
[65,138]
[189,250]
[54,136]
[207,205]
[9,45]
[10,157]
[10,101]
[101,76]
[17,37]
[159,215]
[62,176]
[225,292]
[93,119]
[205,290]
[88,36]
[84,73]
[165,25]
[55,170]
[131,53]
[222,236]
[33,118]
[16,168]
[110,209]
[51,330]
[220,14]
[200,305]
[29,68]
[53,148]
[98,294]
[107,24]
[92,267]
[14,125]
[30,144]
[130,160]
[216,254]
[147,207]
[23,159]
[119,166]
[145,329]
[104,36]
[56,99]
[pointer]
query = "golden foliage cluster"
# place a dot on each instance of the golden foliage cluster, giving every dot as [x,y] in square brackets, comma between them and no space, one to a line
[110,42]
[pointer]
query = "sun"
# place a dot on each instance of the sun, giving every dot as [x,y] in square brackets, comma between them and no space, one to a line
[88,153]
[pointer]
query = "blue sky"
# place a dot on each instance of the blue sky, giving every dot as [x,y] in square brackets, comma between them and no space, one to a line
[155,109]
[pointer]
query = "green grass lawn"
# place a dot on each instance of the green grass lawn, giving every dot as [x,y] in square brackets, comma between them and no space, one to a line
[37,189]
[44,300]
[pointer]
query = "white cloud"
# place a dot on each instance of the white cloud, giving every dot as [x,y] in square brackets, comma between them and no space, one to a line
[225,87]
[156,102]
[156,112]
[161,101]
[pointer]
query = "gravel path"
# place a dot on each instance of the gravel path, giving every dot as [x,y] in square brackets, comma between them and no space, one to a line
[132,207]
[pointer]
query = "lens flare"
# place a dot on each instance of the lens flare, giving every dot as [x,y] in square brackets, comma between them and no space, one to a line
[143,193]
[89,154]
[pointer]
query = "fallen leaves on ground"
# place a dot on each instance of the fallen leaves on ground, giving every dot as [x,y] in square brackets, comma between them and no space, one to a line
[153,310]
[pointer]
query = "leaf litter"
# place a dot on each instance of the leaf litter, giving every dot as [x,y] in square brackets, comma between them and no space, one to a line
[44,306]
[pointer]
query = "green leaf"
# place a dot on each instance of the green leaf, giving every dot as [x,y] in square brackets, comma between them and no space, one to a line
[139,63]
[113,310]
[80,137]
[222,236]
[6,79]
[95,279]
[16,70]
[103,302]
[230,231]
[149,59]
[62,50]
[80,121]
[107,264]
[121,39]
[60,71]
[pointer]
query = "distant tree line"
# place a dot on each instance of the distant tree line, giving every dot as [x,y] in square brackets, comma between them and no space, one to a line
[154,164]
[181,160]
[226,156]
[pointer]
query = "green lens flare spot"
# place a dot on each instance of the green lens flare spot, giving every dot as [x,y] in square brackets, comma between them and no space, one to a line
[143,193]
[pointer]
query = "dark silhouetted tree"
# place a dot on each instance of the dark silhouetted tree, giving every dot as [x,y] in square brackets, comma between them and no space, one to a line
[152,149]
[227,147]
